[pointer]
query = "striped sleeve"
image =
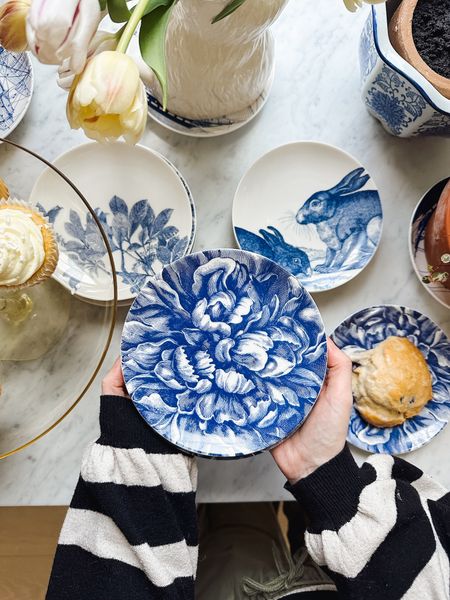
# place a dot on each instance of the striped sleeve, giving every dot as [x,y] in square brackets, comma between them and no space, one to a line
[131,529]
[381,531]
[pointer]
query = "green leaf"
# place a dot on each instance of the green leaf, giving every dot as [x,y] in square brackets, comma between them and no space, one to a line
[229,8]
[152,41]
[153,4]
[118,11]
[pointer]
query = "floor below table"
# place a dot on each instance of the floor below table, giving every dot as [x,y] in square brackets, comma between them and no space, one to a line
[28,539]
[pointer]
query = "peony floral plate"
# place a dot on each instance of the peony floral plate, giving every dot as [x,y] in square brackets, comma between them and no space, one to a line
[422,214]
[143,204]
[224,354]
[366,329]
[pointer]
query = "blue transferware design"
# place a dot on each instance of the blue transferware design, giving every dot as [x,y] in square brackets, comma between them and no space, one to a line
[368,56]
[391,100]
[393,91]
[349,224]
[271,244]
[141,241]
[224,354]
[16,82]
[365,330]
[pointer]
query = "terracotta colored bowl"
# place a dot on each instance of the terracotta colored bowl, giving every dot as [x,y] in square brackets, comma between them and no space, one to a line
[401,36]
[437,236]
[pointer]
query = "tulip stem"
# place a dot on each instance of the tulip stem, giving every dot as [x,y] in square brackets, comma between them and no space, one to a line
[131,26]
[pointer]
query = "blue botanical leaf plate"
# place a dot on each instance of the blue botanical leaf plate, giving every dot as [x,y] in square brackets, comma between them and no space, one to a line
[143,204]
[365,330]
[16,89]
[224,354]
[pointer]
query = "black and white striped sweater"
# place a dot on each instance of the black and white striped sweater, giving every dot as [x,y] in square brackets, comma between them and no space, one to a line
[381,532]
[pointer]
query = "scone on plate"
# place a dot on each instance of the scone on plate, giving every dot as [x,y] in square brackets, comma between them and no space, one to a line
[392,382]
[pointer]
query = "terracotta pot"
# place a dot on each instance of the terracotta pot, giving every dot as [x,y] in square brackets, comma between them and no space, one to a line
[401,36]
[437,236]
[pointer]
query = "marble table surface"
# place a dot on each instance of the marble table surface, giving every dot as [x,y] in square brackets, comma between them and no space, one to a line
[315,96]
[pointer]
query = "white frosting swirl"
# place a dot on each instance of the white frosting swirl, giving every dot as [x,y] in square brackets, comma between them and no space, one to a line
[22,250]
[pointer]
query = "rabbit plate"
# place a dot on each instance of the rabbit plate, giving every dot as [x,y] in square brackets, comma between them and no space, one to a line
[224,353]
[419,221]
[365,330]
[143,204]
[311,208]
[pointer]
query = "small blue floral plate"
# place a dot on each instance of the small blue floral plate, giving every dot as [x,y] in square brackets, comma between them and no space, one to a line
[365,330]
[224,354]
[16,89]
[143,204]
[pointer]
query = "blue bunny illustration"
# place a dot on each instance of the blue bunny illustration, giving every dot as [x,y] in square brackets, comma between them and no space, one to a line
[342,217]
[272,245]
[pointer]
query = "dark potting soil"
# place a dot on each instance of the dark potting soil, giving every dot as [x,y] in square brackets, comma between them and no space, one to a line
[431,33]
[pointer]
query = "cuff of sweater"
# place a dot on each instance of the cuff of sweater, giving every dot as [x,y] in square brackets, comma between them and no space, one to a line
[330,495]
[122,426]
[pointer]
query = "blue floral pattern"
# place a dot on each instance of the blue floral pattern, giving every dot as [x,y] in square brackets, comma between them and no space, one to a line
[224,354]
[141,241]
[366,329]
[392,100]
[16,82]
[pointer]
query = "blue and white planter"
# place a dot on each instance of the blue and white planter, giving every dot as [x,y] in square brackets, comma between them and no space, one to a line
[393,91]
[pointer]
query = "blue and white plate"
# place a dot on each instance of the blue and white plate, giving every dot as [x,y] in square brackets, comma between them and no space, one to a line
[365,330]
[224,354]
[143,204]
[16,88]
[313,209]
[421,216]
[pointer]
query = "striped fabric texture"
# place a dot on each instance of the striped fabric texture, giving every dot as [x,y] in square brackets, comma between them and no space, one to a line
[131,529]
[381,532]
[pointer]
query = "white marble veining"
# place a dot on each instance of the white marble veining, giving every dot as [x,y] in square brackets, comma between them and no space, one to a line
[315,96]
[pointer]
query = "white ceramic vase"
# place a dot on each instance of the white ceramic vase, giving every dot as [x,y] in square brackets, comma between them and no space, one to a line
[222,69]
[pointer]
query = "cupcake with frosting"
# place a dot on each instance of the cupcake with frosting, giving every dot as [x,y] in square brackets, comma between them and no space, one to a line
[28,247]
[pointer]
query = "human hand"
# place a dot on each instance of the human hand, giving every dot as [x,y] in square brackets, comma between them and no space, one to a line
[113,384]
[323,435]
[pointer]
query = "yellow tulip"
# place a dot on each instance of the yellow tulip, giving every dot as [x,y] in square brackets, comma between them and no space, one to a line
[13,17]
[107,100]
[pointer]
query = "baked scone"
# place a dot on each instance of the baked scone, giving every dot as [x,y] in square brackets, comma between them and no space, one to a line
[28,247]
[392,382]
